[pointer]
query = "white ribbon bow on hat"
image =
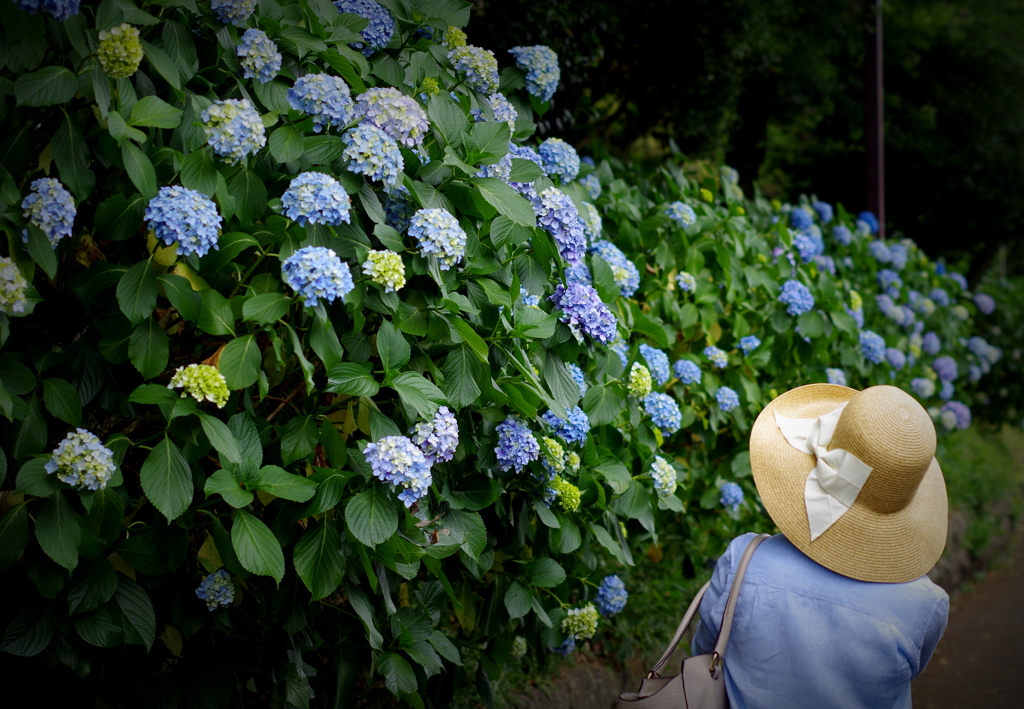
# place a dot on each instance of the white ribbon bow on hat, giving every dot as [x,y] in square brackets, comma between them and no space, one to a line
[838,476]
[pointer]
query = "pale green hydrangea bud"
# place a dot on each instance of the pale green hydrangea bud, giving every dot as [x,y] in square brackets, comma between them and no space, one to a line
[385,268]
[639,380]
[553,453]
[430,86]
[454,37]
[856,302]
[120,51]
[572,462]
[568,494]
[581,623]
[518,647]
[960,312]
[202,382]
[12,287]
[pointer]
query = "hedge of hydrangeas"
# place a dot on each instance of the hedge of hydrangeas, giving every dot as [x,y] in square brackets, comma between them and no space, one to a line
[316,363]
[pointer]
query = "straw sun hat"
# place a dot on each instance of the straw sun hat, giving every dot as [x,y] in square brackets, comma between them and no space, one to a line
[809,459]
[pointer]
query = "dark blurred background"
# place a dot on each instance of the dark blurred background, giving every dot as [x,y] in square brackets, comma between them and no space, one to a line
[775,88]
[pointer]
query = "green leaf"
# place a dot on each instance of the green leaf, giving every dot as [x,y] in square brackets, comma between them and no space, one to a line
[179,291]
[605,539]
[280,483]
[350,378]
[398,674]
[199,173]
[545,515]
[62,400]
[469,336]
[107,513]
[298,438]
[224,484]
[461,370]
[119,129]
[41,251]
[615,474]
[101,627]
[535,323]
[544,572]
[72,156]
[48,86]
[119,217]
[286,144]
[364,609]
[371,516]
[58,531]
[266,308]
[220,436]
[156,113]
[505,231]
[447,117]
[240,362]
[29,633]
[392,346]
[318,559]
[163,64]
[216,317]
[250,196]
[525,170]
[13,535]
[257,548]
[601,404]
[518,600]
[149,348]
[474,493]
[140,169]
[445,647]
[138,620]
[811,324]
[93,585]
[419,393]
[166,479]
[506,200]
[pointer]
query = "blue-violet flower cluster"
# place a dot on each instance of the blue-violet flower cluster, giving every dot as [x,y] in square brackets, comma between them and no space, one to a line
[325,98]
[81,460]
[316,272]
[584,313]
[439,235]
[541,66]
[316,198]
[233,128]
[51,208]
[258,55]
[398,461]
[186,217]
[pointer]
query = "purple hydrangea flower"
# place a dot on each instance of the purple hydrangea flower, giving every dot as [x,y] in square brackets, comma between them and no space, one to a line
[584,313]
[657,362]
[799,219]
[896,359]
[440,235]
[398,115]
[923,387]
[611,596]
[578,377]
[870,219]
[517,446]
[687,372]
[931,344]
[823,210]
[732,496]
[478,67]
[842,235]
[796,297]
[621,349]
[879,251]
[940,296]
[946,368]
[872,346]
[439,437]
[986,303]
[560,218]
[573,430]
[959,279]
[398,461]
[371,152]
[626,275]
[836,376]
[960,412]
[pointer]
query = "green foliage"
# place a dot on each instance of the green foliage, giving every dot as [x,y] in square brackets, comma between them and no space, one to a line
[334,575]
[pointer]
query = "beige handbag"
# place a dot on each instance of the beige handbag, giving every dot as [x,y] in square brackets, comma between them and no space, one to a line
[700,683]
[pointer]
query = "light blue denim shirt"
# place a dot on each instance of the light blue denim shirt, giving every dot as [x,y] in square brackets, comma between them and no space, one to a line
[804,636]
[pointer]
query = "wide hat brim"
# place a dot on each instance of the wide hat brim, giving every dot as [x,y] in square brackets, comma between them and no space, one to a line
[863,544]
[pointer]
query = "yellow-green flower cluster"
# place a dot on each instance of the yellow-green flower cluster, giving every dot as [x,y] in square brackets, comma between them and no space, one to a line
[120,51]
[202,382]
[568,494]
[640,382]
[581,623]
[518,647]
[553,454]
[385,268]
[430,86]
[12,287]
[572,462]
[454,37]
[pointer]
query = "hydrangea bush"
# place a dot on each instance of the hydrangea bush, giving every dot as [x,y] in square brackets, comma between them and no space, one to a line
[277,353]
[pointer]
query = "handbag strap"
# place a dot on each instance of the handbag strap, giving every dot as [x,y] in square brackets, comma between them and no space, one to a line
[734,592]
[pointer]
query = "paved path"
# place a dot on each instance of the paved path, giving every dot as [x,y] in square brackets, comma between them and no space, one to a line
[980,660]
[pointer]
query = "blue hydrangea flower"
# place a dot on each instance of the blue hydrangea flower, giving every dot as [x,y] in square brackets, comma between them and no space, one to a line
[946,368]
[439,437]
[59,9]
[327,99]
[799,219]
[686,282]
[896,359]
[592,184]
[842,235]
[974,373]
[657,362]
[559,160]
[592,223]
[823,210]
[879,251]
[398,461]
[373,153]
[727,398]
[890,282]
[718,357]
[501,169]
[621,349]
[217,590]
[946,391]
[382,26]
[541,66]
[931,343]
[439,235]
[13,287]
[81,460]
[577,376]
[807,246]
[233,129]
[940,296]
[393,112]
[584,313]
[872,346]
[51,208]
[960,411]
[940,268]
[234,12]
[664,476]
[870,219]
[578,273]
[503,110]
[186,217]
[558,215]
[316,198]
[959,279]
[857,315]
[732,496]
[258,55]
[986,303]
[898,255]
[517,446]
[687,372]
[923,387]
[796,297]
[566,647]
[316,272]
[478,67]
[529,301]
[749,343]
[682,214]
[611,595]
[626,275]
[664,412]
[573,430]
[836,376]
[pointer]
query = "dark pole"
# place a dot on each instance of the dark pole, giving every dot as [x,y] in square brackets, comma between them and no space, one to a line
[873,110]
